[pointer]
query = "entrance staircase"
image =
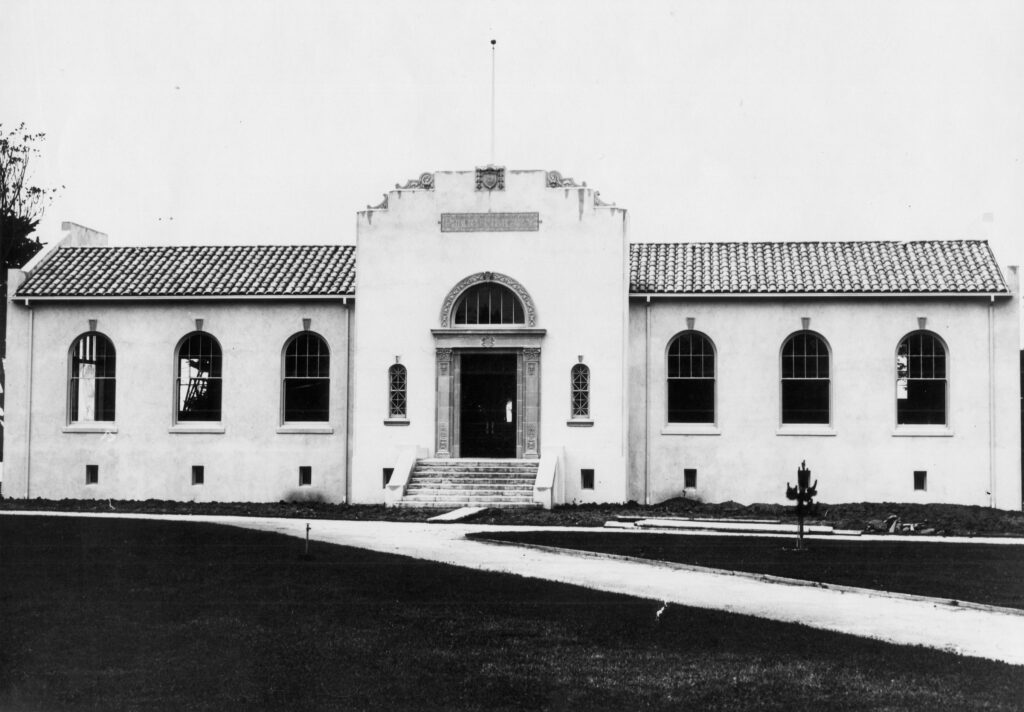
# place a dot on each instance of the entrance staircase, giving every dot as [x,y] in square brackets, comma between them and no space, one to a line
[450,484]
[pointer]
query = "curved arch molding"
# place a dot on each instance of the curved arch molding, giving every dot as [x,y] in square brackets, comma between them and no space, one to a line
[480,278]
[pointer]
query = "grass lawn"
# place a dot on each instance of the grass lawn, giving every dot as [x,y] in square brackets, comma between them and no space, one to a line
[124,615]
[982,573]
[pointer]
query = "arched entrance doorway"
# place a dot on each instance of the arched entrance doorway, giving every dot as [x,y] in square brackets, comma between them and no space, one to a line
[488,371]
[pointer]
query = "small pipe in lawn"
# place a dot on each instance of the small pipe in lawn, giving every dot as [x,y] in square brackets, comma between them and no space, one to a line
[305,554]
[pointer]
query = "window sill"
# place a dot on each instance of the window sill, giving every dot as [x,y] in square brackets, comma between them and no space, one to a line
[197,428]
[812,430]
[691,429]
[396,421]
[580,423]
[101,427]
[933,431]
[303,429]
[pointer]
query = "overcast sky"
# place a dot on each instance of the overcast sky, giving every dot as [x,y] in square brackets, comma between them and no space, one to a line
[273,122]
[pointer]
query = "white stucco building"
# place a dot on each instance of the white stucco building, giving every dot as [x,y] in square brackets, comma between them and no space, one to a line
[495,337]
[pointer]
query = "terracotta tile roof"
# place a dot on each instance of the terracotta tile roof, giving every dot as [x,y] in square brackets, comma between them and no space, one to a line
[195,271]
[925,267]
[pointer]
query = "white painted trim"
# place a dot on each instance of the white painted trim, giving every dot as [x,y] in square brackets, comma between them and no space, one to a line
[305,429]
[98,427]
[923,431]
[690,429]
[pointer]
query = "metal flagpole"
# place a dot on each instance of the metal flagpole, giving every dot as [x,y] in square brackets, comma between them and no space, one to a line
[493,43]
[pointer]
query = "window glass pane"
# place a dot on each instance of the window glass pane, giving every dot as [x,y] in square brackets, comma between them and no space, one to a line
[489,303]
[580,391]
[307,385]
[925,403]
[199,379]
[306,399]
[691,400]
[921,380]
[397,391]
[805,401]
[91,389]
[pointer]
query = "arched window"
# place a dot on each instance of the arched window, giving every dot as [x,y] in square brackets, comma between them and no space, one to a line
[199,372]
[580,380]
[489,303]
[398,400]
[307,379]
[806,380]
[691,379]
[921,380]
[92,385]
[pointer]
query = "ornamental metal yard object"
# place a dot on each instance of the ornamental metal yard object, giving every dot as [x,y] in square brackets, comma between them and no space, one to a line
[803,493]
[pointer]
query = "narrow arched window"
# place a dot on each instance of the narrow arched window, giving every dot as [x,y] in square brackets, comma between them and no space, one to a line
[580,380]
[92,386]
[691,379]
[806,380]
[398,398]
[921,380]
[199,373]
[489,303]
[307,379]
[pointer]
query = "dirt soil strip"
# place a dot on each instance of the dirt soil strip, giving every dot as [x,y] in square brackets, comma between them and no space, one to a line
[956,629]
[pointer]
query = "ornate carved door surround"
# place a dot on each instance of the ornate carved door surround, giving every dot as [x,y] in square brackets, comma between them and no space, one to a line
[450,344]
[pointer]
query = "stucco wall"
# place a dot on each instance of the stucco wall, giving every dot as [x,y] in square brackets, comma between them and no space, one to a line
[573,267]
[748,456]
[142,457]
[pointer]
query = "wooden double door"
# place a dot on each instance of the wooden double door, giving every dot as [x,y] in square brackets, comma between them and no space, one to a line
[488,409]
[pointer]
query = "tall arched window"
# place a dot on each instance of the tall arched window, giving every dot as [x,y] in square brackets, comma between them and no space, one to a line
[580,380]
[398,395]
[921,380]
[199,373]
[489,303]
[691,379]
[92,386]
[306,387]
[806,380]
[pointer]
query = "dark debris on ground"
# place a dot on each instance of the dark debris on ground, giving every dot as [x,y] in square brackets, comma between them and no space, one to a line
[885,517]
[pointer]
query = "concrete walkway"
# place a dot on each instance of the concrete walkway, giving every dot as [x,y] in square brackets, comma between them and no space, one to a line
[996,634]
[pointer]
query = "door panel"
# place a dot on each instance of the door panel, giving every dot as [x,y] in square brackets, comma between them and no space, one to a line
[488,405]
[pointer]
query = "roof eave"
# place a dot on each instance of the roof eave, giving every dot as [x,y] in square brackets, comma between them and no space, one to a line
[817,295]
[181,297]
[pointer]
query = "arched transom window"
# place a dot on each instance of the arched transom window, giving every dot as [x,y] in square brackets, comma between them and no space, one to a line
[307,379]
[691,379]
[921,380]
[92,385]
[489,303]
[199,373]
[806,379]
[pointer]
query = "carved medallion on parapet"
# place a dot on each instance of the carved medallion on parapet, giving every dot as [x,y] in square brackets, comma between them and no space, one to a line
[490,177]
[556,180]
[424,182]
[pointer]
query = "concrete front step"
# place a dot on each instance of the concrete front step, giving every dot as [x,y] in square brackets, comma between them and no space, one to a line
[470,482]
[451,496]
[481,470]
[453,505]
[511,486]
[485,482]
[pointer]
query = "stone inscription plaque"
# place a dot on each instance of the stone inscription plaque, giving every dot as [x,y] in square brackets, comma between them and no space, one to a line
[490,222]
